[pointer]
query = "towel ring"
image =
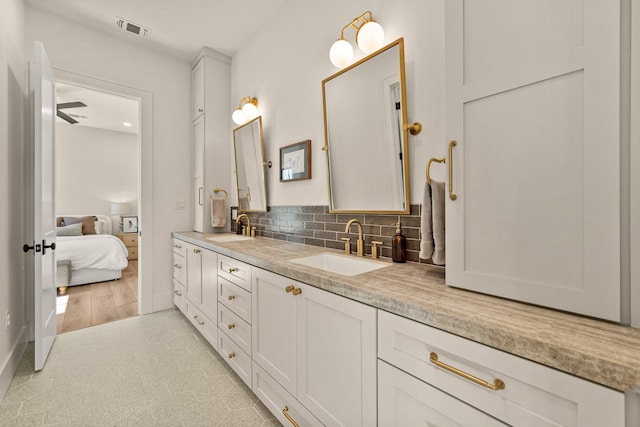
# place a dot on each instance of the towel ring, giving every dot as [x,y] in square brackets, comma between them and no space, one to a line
[217,190]
[431,160]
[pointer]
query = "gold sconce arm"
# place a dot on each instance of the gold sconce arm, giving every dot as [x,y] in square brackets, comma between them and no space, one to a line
[353,24]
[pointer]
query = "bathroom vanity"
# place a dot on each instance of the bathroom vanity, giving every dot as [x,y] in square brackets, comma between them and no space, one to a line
[395,345]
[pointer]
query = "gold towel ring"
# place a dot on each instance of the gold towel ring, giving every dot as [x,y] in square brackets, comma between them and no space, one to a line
[431,160]
[217,190]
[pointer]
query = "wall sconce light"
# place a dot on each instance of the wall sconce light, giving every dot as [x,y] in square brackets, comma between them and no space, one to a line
[247,110]
[369,37]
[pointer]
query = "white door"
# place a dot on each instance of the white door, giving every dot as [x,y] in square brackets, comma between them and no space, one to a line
[44,212]
[532,99]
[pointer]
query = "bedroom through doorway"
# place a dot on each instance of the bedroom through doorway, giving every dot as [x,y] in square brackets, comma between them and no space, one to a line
[97,187]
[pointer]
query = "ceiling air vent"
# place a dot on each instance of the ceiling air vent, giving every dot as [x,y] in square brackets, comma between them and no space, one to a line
[129,26]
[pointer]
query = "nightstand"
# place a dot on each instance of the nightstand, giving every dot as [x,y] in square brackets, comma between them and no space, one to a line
[130,240]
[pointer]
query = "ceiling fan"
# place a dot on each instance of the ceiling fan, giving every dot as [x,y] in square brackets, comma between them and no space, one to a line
[65,105]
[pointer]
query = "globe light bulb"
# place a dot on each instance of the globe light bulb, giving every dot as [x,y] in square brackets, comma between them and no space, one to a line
[238,117]
[370,37]
[341,53]
[250,111]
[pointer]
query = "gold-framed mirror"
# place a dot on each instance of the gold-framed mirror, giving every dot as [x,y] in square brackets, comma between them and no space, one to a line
[365,137]
[250,167]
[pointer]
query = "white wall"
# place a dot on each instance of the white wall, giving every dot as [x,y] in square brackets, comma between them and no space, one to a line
[285,63]
[82,50]
[95,167]
[13,107]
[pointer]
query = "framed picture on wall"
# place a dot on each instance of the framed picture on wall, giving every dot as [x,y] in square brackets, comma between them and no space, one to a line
[295,161]
[129,224]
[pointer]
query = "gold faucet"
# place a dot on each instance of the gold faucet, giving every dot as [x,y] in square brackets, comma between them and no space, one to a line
[247,229]
[360,244]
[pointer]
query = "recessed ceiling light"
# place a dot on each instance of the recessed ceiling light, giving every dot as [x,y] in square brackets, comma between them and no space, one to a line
[126,124]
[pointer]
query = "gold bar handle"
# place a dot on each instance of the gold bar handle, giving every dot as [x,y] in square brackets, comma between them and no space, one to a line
[285,412]
[452,196]
[498,384]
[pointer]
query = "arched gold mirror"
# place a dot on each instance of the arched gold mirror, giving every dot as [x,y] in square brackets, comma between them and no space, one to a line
[365,136]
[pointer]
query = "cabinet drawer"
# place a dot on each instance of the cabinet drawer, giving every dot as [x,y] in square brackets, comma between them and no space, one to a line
[235,271]
[533,394]
[179,268]
[179,295]
[235,328]
[206,326]
[276,399]
[235,298]
[132,253]
[179,247]
[130,239]
[404,400]
[235,357]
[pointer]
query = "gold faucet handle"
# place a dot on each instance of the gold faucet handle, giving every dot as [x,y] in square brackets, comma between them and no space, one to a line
[375,249]
[347,245]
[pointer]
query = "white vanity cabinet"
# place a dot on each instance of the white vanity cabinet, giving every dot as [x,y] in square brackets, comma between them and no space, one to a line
[179,274]
[234,314]
[524,393]
[211,147]
[534,107]
[315,348]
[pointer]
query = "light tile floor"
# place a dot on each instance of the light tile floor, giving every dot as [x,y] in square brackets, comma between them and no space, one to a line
[152,370]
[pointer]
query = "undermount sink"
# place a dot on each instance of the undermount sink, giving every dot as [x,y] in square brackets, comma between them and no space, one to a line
[341,264]
[228,237]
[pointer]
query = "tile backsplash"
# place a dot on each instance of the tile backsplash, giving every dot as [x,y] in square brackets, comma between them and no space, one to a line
[315,225]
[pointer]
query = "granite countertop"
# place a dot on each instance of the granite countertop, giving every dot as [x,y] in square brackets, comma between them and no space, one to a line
[599,351]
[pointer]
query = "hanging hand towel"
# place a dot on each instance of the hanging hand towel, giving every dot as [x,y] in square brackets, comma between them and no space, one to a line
[426,242]
[218,211]
[437,208]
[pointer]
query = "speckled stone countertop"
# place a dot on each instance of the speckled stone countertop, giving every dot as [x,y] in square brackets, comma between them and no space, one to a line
[599,351]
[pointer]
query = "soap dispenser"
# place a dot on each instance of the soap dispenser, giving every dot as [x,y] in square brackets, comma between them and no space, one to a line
[399,245]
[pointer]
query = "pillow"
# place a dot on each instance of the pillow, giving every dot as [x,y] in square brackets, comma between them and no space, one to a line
[70,230]
[68,220]
[59,221]
[101,226]
[89,224]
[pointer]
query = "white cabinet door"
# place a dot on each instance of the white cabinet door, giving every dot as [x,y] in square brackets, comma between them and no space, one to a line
[198,175]
[197,90]
[404,400]
[194,274]
[274,327]
[534,107]
[336,348]
[209,283]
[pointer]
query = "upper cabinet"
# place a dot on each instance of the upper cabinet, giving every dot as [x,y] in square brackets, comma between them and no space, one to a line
[533,105]
[211,145]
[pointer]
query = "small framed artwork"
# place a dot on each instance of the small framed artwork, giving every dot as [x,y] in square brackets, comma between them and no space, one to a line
[295,161]
[129,224]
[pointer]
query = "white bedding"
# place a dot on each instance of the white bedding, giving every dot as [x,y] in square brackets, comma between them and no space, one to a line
[97,251]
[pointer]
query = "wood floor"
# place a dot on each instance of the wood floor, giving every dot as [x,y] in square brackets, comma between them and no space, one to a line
[97,303]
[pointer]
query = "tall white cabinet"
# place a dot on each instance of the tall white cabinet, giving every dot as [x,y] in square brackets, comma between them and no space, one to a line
[534,107]
[211,137]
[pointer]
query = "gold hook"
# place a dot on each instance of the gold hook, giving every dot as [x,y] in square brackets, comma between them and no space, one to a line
[431,160]
[217,190]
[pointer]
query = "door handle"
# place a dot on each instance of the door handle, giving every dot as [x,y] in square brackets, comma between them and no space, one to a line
[200,193]
[27,248]
[45,246]
[452,195]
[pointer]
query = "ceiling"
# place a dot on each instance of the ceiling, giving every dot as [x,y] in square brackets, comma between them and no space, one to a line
[179,28]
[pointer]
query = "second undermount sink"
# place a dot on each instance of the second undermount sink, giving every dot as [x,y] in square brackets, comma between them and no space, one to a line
[341,264]
[229,237]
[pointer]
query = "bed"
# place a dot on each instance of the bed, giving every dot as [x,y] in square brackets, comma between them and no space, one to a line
[95,254]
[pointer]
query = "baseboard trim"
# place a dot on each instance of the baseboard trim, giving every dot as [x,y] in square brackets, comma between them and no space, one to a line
[12,361]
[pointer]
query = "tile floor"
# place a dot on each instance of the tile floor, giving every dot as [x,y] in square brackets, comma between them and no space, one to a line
[152,370]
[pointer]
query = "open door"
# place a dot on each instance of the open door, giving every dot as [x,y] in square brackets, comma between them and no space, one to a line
[44,214]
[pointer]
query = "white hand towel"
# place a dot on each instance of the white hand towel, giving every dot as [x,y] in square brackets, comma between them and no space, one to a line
[218,211]
[437,208]
[426,242]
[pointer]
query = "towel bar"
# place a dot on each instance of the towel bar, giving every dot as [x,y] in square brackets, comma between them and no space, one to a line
[217,190]
[431,160]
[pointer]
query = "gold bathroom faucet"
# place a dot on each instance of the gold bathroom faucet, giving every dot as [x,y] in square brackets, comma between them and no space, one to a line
[360,244]
[247,230]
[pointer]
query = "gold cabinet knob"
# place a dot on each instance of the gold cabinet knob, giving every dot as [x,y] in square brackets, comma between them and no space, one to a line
[196,251]
[297,291]
[231,325]
[231,355]
[289,288]
[231,270]
[231,297]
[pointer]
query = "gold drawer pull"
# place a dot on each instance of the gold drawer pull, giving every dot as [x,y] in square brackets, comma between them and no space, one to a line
[234,269]
[498,384]
[231,355]
[198,320]
[297,291]
[196,251]
[177,246]
[285,412]
[452,195]
[231,297]
[231,325]
[178,293]
[289,288]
